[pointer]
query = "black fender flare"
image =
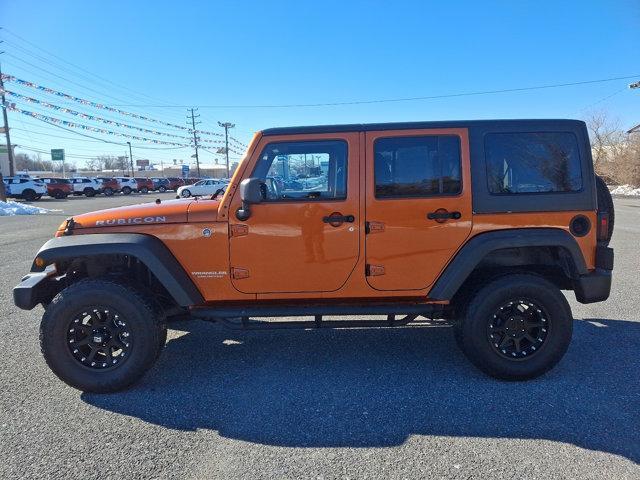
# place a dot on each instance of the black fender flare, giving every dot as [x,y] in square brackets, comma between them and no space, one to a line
[478,247]
[146,248]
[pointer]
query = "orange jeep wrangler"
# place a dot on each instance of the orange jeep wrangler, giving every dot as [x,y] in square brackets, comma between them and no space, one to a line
[480,223]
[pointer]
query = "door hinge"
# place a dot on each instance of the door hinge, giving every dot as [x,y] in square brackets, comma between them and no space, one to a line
[374,227]
[374,270]
[239,273]
[239,230]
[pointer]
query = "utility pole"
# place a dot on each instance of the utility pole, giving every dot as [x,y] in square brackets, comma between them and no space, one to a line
[6,126]
[226,126]
[131,159]
[195,136]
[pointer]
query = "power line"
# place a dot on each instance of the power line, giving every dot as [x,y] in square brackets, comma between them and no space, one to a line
[402,99]
[136,93]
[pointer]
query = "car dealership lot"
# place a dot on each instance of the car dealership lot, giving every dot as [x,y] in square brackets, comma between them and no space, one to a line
[398,403]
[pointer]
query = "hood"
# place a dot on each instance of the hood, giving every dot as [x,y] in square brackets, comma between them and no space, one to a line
[171,211]
[165,212]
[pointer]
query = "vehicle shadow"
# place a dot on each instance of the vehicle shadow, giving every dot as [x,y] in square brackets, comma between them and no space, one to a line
[376,387]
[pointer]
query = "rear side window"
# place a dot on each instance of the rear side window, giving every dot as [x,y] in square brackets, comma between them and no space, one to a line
[417,166]
[541,162]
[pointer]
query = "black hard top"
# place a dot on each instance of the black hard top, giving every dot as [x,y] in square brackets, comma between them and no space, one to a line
[553,124]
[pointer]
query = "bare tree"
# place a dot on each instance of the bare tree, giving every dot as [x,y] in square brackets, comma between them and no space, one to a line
[616,154]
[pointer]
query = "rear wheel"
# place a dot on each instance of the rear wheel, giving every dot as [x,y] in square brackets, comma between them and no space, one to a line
[108,191]
[516,327]
[162,189]
[29,195]
[126,190]
[144,190]
[100,336]
[89,192]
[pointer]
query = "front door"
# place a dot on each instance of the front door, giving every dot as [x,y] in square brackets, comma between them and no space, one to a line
[303,237]
[418,204]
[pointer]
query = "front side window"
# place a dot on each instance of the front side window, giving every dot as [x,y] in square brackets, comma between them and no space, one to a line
[417,166]
[311,170]
[532,162]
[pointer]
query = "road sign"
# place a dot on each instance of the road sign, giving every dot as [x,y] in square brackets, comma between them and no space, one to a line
[185,170]
[57,155]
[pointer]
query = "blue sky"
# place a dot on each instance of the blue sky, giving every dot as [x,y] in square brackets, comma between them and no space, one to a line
[290,52]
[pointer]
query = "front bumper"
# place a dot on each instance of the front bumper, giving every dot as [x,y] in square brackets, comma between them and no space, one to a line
[35,288]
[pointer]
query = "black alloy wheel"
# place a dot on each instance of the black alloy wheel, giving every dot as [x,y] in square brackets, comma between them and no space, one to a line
[518,329]
[99,338]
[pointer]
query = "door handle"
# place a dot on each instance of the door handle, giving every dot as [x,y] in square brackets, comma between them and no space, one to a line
[336,219]
[442,215]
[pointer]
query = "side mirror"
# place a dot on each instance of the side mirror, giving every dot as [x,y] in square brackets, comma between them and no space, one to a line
[250,193]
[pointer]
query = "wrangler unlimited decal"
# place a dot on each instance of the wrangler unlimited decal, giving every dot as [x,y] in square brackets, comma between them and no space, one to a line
[130,221]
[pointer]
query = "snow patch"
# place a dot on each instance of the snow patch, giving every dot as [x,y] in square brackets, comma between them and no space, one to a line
[16,208]
[626,190]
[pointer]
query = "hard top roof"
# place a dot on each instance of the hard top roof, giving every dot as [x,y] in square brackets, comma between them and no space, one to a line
[364,127]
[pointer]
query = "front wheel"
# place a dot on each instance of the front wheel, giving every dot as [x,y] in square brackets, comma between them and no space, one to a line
[516,327]
[144,190]
[89,192]
[126,190]
[185,193]
[108,191]
[162,189]
[100,336]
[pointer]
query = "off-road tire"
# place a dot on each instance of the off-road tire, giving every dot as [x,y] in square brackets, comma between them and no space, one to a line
[147,334]
[185,193]
[126,190]
[471,328]
[29,195]
[89,192]
[605,204]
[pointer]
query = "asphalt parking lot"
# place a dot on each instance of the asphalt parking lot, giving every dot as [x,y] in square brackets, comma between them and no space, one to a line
[389,403]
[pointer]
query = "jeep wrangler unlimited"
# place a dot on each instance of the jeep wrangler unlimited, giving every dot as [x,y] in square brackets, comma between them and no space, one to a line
[479,223]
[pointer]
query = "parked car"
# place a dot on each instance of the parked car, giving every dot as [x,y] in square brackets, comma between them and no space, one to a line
[160,184]
[58,187]
[144,185]
[425,219]
[89,187]
[174,183]
[208,186]
[25,187]
[127,185]
[110,185]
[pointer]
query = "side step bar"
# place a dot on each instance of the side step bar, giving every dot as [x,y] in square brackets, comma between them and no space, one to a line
[241,317]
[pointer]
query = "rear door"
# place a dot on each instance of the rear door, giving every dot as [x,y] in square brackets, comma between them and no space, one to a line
[418,204]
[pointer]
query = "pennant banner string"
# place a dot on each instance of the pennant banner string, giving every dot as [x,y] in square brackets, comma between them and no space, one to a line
[19,81]
[57,121]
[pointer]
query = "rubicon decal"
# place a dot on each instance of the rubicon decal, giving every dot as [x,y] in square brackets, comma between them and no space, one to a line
[130,221]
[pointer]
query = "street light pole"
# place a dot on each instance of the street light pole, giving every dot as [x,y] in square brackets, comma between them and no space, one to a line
[226,126]
[130,158]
